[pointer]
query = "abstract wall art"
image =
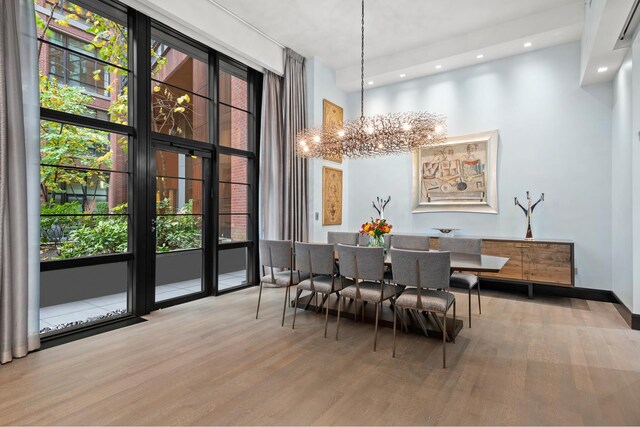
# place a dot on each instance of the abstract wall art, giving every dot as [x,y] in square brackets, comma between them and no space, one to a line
[457,176]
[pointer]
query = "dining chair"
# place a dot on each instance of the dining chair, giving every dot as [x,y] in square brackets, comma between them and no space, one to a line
[278,254]
[425,276]
[342,237]
[410,241]
[468,281]
[317,261]
[361,276]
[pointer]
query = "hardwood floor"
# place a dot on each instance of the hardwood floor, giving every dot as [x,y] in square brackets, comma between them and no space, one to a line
[542,361]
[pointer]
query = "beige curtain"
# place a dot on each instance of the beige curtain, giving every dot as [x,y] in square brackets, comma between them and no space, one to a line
[19,178]
[273,185]
[283,176]
[295,119]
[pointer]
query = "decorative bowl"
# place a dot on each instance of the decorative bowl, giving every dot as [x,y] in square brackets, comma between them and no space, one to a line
[446,230]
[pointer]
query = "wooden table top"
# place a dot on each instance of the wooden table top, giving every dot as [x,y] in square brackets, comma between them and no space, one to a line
[467,262]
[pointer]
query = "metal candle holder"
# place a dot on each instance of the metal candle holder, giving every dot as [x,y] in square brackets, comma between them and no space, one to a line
[528,211]
[380,204]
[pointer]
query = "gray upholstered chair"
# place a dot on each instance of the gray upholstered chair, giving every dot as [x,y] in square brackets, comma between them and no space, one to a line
[425,276]
[278,254]
[465,280]
[342,237]
[411,242]
[317,261]
[361,274]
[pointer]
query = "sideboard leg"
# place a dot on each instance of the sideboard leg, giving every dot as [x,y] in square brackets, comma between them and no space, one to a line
[530,286]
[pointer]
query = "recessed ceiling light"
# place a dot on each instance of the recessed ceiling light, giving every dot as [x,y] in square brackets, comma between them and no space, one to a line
[438,66]
[602,69]
[403,75]
[370,82]
[528,44]
[480,56]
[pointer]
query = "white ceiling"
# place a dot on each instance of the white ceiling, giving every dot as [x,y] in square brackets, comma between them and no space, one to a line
[410,35]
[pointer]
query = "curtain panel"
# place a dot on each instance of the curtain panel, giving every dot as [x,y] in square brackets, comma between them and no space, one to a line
[273,184]
[295,120]
[19,181]
[284,196]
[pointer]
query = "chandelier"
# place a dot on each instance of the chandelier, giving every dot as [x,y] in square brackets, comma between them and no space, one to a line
[377,135]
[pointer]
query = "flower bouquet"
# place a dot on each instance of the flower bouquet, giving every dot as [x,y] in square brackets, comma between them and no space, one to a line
[376,229]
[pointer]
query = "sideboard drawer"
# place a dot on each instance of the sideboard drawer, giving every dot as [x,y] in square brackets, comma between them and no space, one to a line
[513,269]
[548,263]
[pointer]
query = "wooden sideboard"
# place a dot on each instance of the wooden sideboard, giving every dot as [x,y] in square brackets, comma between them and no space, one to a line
[549,262]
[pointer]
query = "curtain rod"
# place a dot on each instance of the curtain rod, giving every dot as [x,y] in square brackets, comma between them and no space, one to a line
[253,27]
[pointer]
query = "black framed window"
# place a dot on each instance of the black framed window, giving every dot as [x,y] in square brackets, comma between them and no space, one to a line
[85,164]
[125,163]
[237,175]
[70,64]
[180,101]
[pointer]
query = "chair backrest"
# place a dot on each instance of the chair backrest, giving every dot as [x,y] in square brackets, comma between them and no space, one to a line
[362,263]
[421,269]
[315,258]
[276,253]
[411,242]
[461,245]
[342,237]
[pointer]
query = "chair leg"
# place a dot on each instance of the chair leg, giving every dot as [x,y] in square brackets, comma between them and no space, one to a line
[404,320]
[326,316]
[444,342]
[363,304]
[469,307]
[453,336]
[340,301]
[295,308]
[324,299]
[375,336]
[395,316]
[355,311]
[259,297]
[309,301]
[284,308]
[478,289]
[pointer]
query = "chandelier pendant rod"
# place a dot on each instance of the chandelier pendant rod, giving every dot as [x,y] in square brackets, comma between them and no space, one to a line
[378,135]
[362,69]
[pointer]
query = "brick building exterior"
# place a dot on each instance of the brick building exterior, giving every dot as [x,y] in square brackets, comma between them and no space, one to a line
[179,74]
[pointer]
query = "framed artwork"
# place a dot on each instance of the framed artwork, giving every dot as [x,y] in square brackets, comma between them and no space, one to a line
[459,175]
[332,116]
[331,196]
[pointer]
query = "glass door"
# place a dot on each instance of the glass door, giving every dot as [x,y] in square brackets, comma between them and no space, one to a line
[179,224]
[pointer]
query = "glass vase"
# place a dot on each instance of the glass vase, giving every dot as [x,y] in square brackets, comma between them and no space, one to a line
[376,241]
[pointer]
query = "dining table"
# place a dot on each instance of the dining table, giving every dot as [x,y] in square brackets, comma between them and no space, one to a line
[468,262]
[430,325]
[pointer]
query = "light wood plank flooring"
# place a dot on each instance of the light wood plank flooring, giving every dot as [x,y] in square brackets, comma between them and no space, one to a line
[543,361]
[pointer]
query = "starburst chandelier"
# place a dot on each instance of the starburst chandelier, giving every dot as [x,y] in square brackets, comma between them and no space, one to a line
[372,136]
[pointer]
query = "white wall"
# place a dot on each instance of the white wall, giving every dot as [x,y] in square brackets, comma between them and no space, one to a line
[635,161]
[321,84]
[621,189]
[555,138]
